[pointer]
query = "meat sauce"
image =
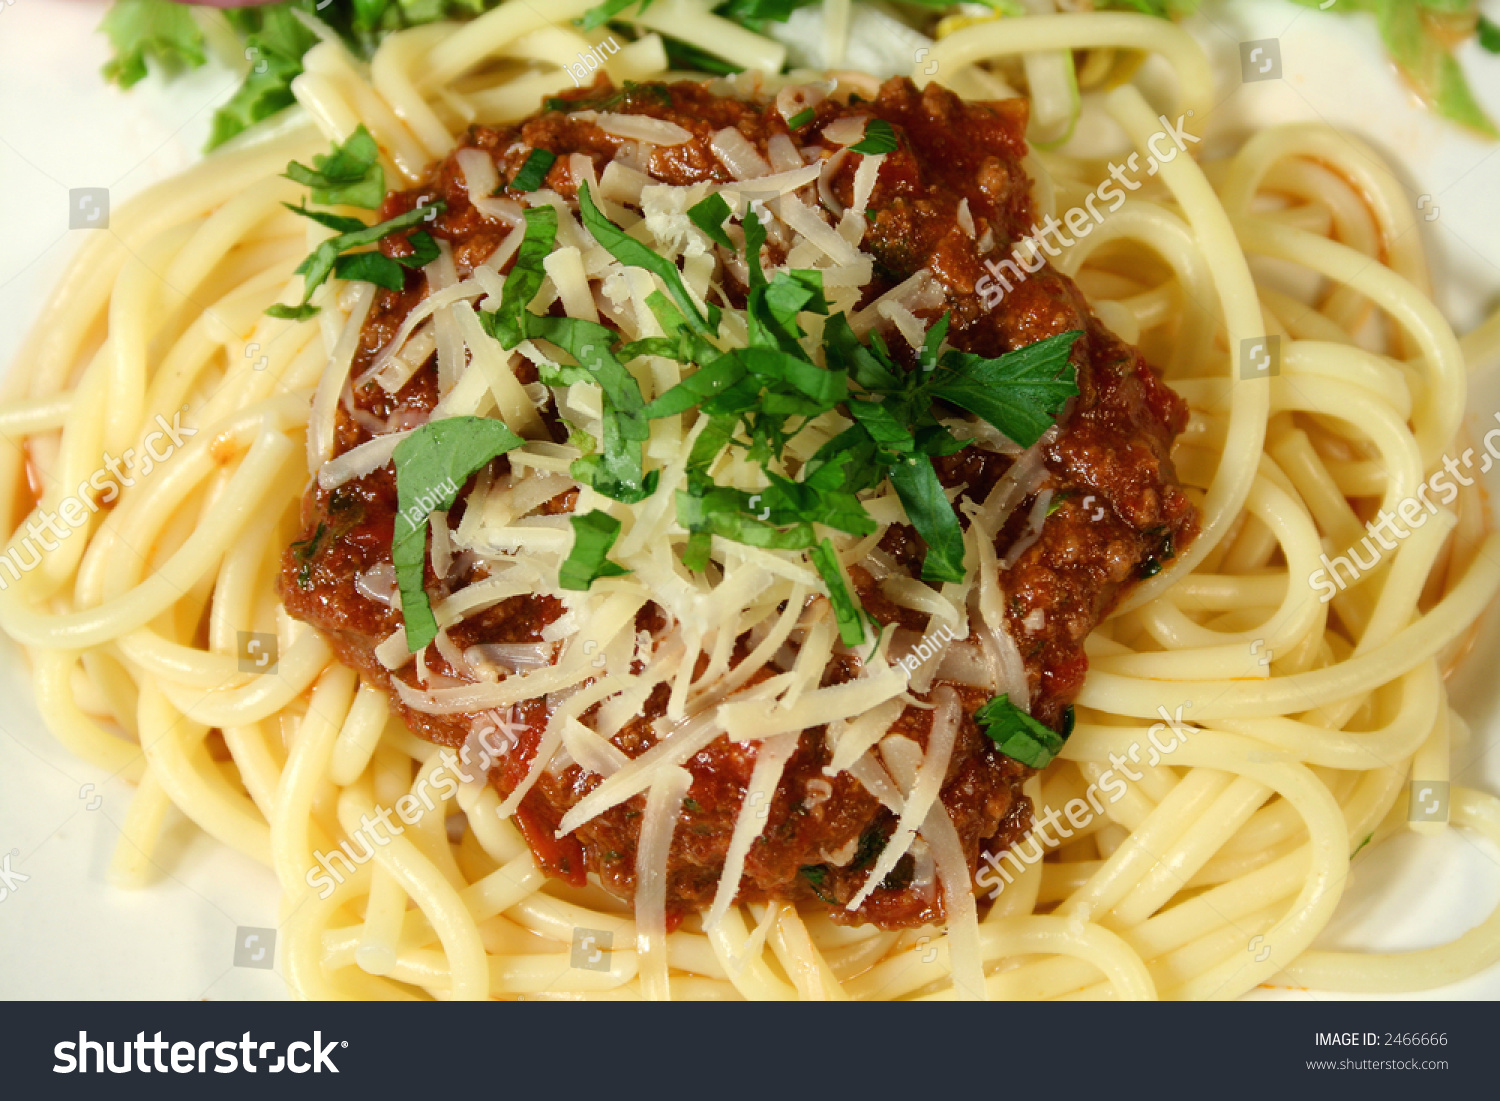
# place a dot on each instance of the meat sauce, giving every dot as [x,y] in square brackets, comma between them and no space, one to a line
[1118,511]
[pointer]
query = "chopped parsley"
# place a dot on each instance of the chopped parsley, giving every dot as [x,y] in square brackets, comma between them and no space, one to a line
[615,469]
[756,398]
[507,323]
[871,844]
[709,216]
[755,14]
[896,432]
[305,550]
[534,172]
[333,256]
[1019,736]
[630,94]
[432,465]
[846,610]
[817,878]
[880,137]
[632,253]
[593,534]
[349,176]
[688,58]
[601,14]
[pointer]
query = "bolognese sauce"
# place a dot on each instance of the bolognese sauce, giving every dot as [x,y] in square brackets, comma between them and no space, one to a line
[1101,510]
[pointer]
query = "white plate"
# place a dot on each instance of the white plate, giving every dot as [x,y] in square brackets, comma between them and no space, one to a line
[64,933]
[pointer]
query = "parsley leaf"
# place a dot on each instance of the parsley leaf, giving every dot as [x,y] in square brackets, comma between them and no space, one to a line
[349,176]
[601,14]
[375,267]
[932,514]
[846,611]
[686,57]
[371,267]
[534,172]
[632,253]
[432,465]
[880,137]
[616,470]
[708,215]
[1018,735]
[507,323]
[593,534]
[755,14]
[351,234]
[1020,392]
[817,878]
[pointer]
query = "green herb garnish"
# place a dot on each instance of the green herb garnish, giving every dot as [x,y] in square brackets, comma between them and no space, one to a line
[349,176]
[351,233]
[708,215]
[507,323]
[601,14]
[846,610]
[880,137]
[817,877]
[632,253]
[800,119]
[1018,735]
[432,465]
[305,550]
[534,172]
[593,534]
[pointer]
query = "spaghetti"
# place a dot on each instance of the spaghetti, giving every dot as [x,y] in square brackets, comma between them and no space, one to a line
[1296,724]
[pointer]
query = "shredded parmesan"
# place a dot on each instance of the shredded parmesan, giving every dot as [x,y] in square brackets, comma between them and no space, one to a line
[644,128]
[865,177]
[747,719]
[848,130]
[770,759]
[736,153]
[962,915]
[919,292]
[1035,519]
[355,463]
[923,793]
[857,737]
[325,405]
[658,822]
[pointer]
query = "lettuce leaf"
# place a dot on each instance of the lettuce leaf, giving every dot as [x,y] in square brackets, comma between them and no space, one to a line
[160,30]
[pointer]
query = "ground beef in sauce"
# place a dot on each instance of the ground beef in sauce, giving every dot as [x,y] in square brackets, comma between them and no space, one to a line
[1118,511]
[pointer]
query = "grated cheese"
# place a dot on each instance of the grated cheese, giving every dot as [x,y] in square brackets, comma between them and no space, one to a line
[754,814]
[643,128]
[658,822]
[920,796]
